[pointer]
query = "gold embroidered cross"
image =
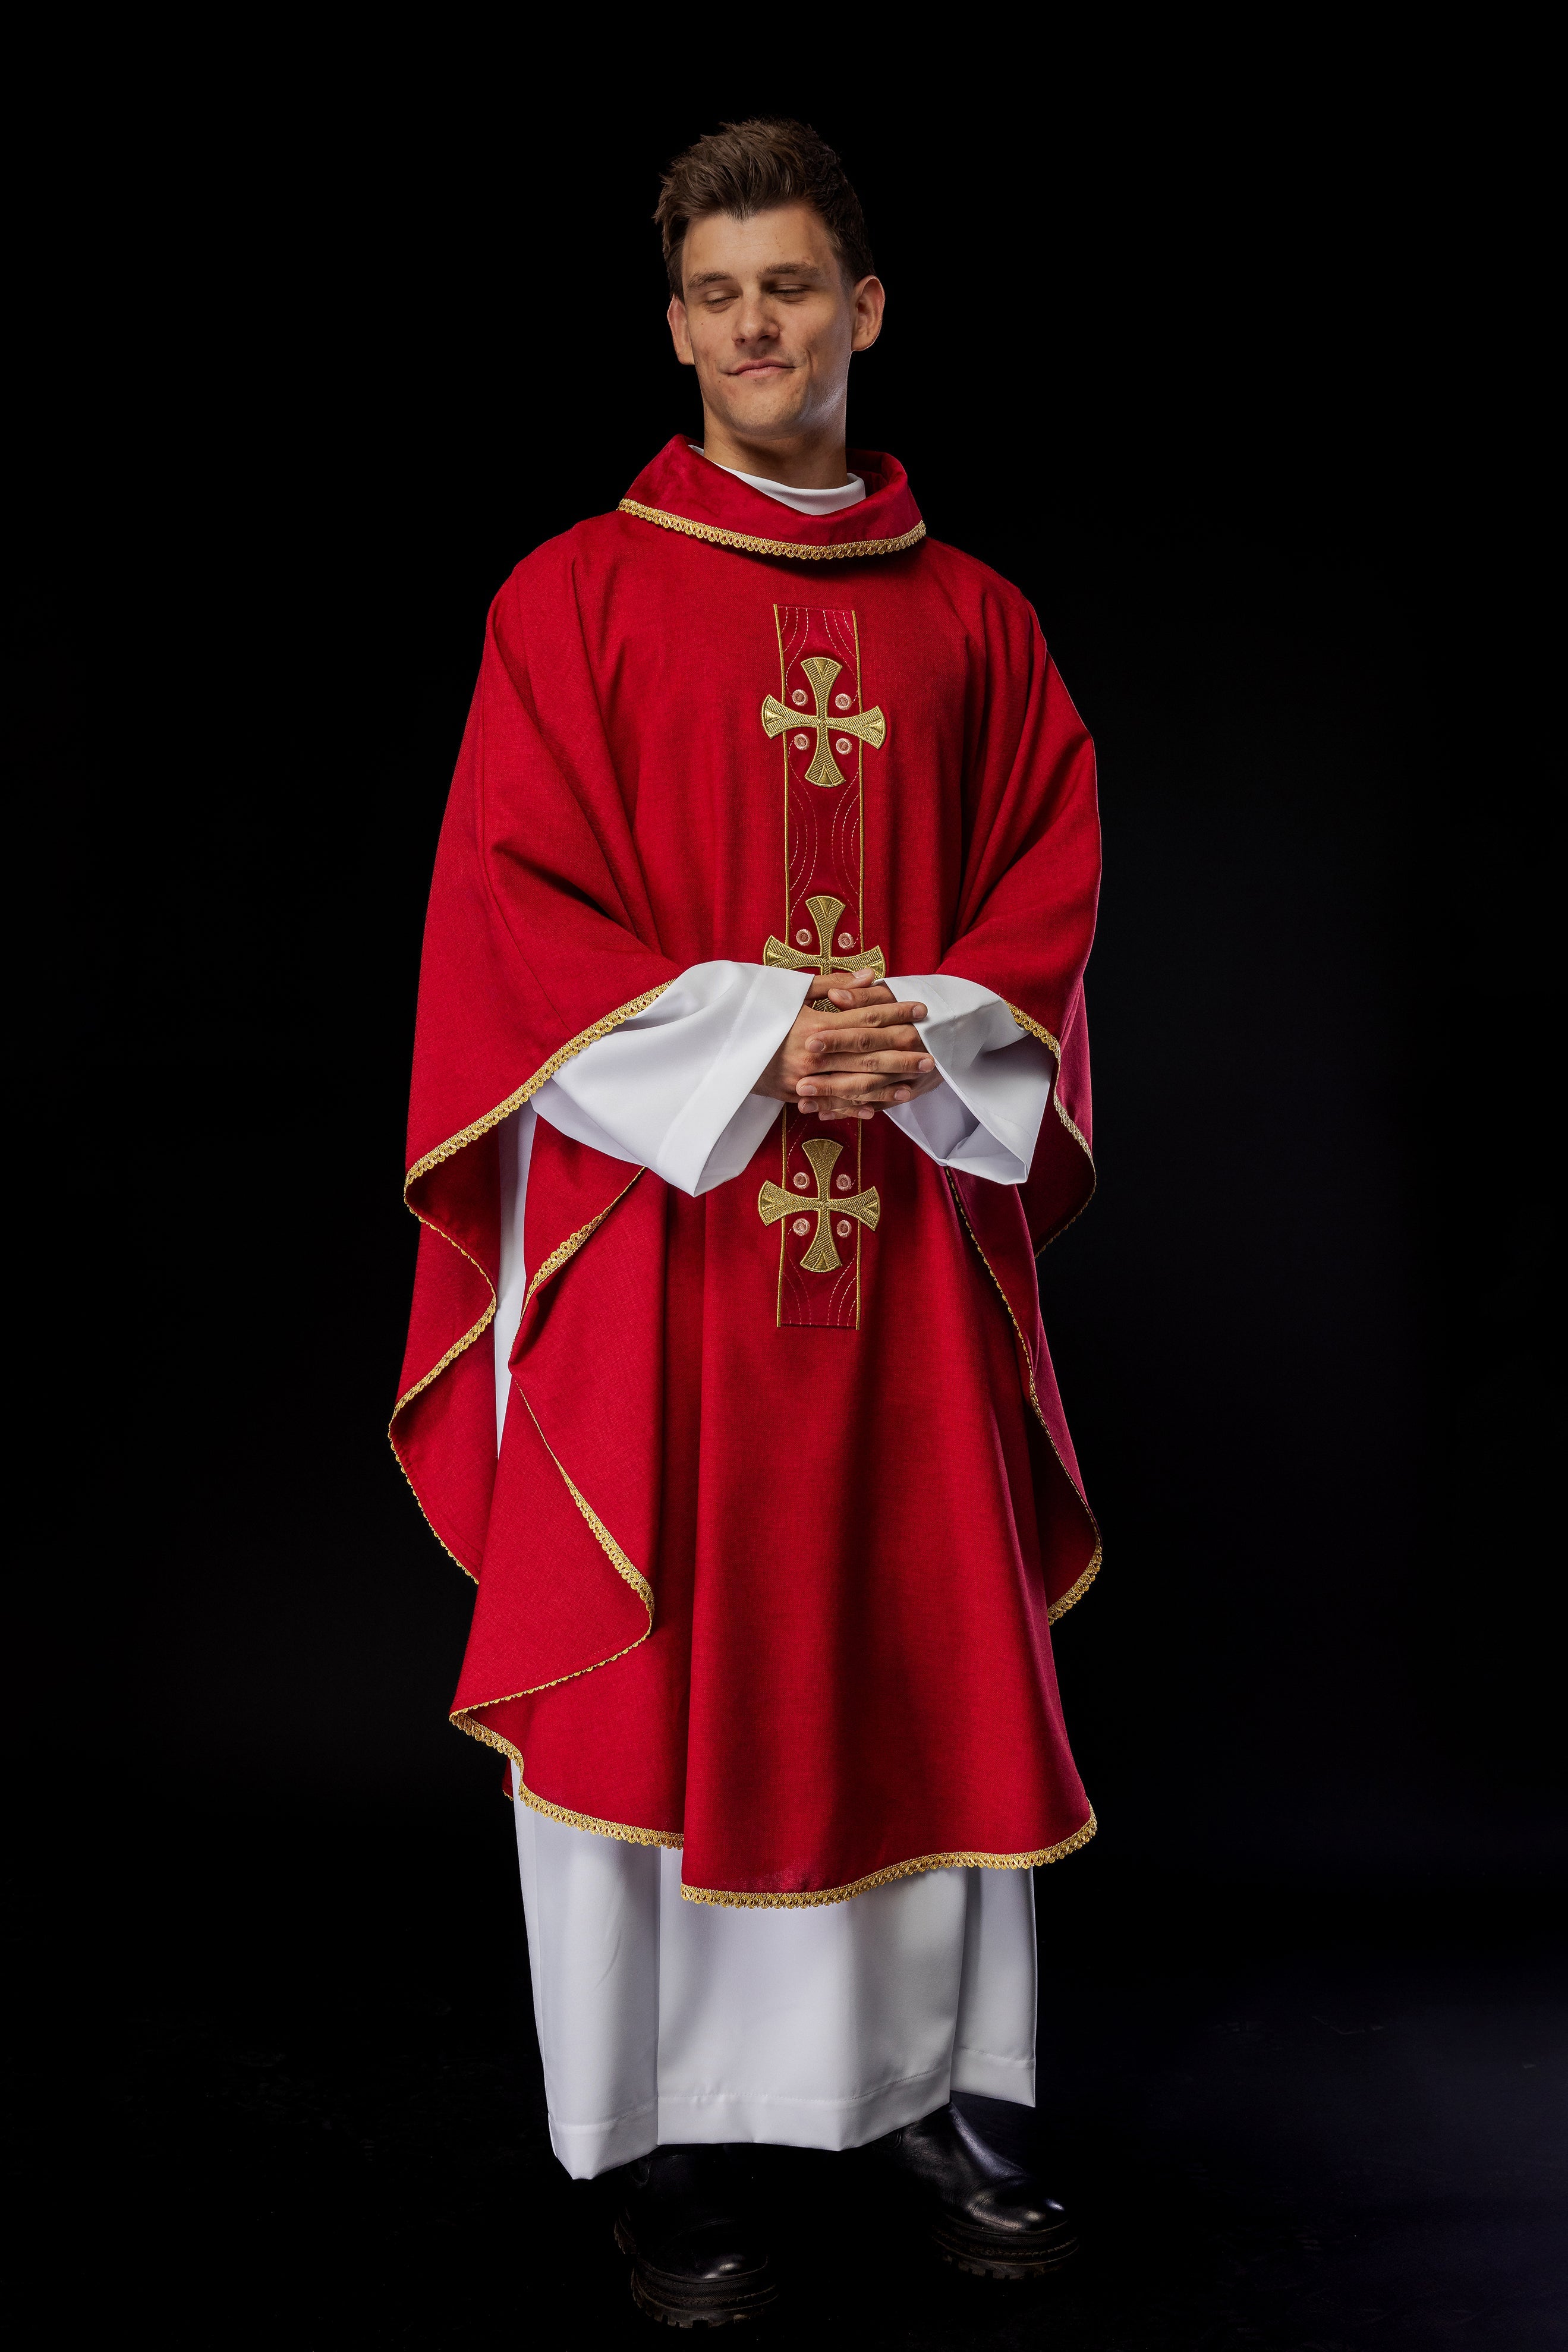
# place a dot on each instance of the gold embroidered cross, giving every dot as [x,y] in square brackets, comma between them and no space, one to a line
[773,1202]
[869,726]
[824,912]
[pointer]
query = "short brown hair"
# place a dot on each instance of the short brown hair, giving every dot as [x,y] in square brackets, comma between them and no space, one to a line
[750,167]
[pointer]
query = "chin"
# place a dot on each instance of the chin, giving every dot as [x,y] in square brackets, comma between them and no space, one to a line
[768,412]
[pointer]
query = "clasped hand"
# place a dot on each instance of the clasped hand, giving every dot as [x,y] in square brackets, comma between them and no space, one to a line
[851,1052]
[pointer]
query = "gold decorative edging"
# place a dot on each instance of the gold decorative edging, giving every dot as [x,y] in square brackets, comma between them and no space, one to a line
[618,1559]
[1046,1038]
[466,1718]
[1080,1585]
[626,1832]
[568,1248]
[1075,1592]
[630,1833]
[429,1522]
[744,542]
[578,1045]
[453,1352]
[812,1896]
[447,1150]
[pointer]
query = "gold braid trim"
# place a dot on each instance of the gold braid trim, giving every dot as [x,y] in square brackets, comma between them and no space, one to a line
[466,1718]
[1077,1589]
[570,1246]
[625,1831]
[1036,1861]
[453,1352]
[578,1045]
[632,1834]
[455,1143]
[429,1522]
[1025,1021]
[607,1544]
[1075,1592]
[747,545]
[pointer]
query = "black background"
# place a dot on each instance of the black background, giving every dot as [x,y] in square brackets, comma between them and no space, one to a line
[1210,395]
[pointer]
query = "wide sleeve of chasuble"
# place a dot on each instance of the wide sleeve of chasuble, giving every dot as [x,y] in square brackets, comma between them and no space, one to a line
[1026,917]
[539,938]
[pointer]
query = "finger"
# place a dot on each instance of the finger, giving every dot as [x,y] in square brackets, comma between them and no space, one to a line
[826,1095]
[895,1065]
[851,984]
[878,1033]
[826,1111]
[879,1007]
[865,986]
[904,1039]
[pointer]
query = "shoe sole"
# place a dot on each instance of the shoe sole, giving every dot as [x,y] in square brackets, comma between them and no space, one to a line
[983,2261]
[673,2307]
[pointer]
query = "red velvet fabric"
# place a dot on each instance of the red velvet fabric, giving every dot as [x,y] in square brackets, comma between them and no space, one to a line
[780,1590]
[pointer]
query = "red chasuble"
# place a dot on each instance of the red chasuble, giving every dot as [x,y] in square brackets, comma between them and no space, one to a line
[785,1503]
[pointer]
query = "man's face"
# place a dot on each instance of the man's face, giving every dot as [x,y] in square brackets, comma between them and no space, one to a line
[768,321]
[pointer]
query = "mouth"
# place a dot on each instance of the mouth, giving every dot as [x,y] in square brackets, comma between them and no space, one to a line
[763,367]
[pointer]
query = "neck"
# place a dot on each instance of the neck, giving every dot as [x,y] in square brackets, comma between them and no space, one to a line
[810,460]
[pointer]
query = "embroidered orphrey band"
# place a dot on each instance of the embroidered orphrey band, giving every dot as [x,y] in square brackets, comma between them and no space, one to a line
[823,1203]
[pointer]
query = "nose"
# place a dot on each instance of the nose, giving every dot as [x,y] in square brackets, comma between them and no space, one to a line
[754,323]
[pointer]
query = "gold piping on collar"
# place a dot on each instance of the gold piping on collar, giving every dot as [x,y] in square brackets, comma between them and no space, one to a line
[815,1895]
[748,545]
[1081,1583]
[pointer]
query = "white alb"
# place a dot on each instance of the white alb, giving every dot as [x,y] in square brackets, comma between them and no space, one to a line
[664,2021]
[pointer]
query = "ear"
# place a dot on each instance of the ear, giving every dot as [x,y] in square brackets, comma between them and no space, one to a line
[680,332]
[870,300]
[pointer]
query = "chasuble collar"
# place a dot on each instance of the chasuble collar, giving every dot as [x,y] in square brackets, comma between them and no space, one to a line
[682,491]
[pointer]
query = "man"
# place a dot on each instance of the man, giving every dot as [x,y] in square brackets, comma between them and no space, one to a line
[751,1069]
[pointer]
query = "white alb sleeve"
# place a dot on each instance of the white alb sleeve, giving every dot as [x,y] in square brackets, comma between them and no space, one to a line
[670,1089]
[984,1118]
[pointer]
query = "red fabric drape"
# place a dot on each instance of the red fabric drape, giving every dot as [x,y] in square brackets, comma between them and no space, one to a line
[779,1589]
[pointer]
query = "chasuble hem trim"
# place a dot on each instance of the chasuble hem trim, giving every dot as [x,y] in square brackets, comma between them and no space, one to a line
[747,1899]
[1081,1583]
[747,545]
[627,1831]
[962,1859]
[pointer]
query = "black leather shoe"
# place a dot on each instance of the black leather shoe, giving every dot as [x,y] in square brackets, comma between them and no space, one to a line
[981,2211]
[696,2258]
